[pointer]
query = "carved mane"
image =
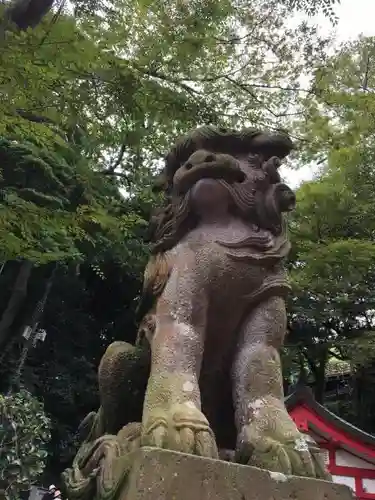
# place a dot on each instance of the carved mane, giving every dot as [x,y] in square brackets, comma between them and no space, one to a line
[172,222]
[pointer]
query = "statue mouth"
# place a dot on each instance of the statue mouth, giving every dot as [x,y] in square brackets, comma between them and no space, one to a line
[204,165]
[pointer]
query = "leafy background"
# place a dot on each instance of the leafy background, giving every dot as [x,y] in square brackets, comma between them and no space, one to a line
[92,95]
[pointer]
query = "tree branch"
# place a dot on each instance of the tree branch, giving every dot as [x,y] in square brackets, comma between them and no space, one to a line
[120,156]
[339,356]
[367,70]
[243,87]
[165,78]
[311,363]
[34,118]
[120,175]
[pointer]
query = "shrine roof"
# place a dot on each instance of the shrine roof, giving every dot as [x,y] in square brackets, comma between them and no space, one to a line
[330,426]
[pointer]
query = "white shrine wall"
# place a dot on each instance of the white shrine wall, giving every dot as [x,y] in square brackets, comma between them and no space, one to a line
[346,459]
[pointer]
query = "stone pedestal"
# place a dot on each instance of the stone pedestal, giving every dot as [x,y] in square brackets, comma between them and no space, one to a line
[164,475]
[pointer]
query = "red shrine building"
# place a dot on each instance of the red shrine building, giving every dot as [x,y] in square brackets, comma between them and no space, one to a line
[349,452]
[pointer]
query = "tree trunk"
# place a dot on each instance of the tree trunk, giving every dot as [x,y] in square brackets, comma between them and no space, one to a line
[302,375]
[25,14]
[34,322]
[318,369]
[320,378]
[17,297]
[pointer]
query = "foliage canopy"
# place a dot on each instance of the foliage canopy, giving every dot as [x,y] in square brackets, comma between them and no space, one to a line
[24,433]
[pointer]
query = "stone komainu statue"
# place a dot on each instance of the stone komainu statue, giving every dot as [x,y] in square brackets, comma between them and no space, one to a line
[213,319]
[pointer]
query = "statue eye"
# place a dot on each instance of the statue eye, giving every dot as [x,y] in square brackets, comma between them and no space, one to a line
[254,161]
[210,158]
[188,166]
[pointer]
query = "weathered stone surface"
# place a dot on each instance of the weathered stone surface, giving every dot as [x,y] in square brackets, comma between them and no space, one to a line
[213,317]
[165,475]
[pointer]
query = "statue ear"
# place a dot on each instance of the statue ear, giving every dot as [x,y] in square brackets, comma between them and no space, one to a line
[160,183]
[267,145]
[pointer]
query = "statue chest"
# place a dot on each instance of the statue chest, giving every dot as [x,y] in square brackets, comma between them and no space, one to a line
[234,260]
[206,234]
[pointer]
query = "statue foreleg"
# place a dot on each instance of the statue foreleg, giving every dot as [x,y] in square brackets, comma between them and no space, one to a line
[267,436]
[172,416]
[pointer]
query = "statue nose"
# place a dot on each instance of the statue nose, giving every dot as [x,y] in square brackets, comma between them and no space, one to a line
[209,158]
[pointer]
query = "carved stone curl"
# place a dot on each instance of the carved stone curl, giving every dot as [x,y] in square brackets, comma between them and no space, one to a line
[100,468]
[213,313]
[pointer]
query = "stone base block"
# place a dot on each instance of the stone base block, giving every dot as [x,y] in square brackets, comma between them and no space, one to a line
[164,475]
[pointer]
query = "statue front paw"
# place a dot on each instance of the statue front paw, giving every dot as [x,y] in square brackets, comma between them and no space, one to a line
[272,441]
[183,428]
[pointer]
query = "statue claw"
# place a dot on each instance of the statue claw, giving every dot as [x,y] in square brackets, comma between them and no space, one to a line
[180,429]
[273,442]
